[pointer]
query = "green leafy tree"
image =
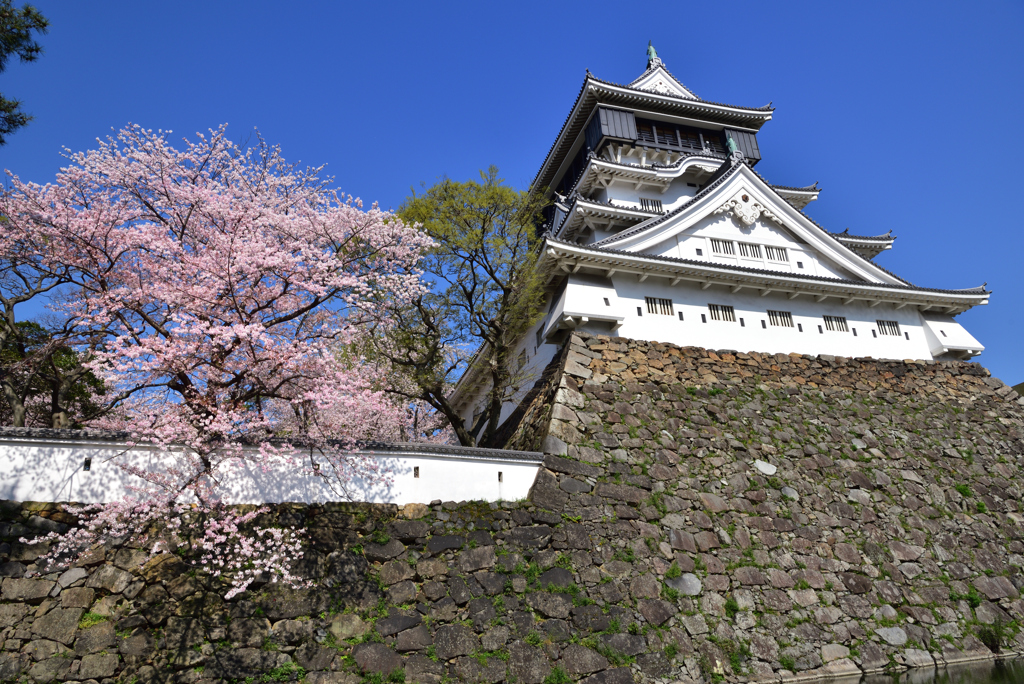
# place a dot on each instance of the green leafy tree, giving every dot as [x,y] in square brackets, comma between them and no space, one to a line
[486,293]
[17,26]
[44,381]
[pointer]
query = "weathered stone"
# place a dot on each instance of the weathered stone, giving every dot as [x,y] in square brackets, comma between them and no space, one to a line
[51,669]
[372,657]
[393,572]
[383,552]
[451,641]
[686,584]
[249,632]
[244,662]
[95,639]
[830,652]
[98,666]
[12,614]
[550,605]
[444,542]
[579,660]
[348,626]
[892,635]
[30,591]
[618,675]
[60,624]
[857,584]
[645,586]
[397,621]
[656,611]
[626,644]
[471,560]
[109,577]
[528,664]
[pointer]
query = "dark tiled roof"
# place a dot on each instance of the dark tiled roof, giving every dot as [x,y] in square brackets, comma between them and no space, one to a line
[583,88]
[765,108]
[763,271]
[880,238]
[806,188]
[421,448]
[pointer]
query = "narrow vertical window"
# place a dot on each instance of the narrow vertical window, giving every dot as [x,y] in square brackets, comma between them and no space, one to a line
[639,311]
[722,312]
[500,479]
[680,315]
[416,472]
[889,328]
[836,324]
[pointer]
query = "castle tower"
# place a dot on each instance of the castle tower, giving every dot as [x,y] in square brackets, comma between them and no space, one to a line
[660,228]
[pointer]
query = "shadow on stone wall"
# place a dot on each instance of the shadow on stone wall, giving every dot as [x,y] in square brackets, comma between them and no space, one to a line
[701,516]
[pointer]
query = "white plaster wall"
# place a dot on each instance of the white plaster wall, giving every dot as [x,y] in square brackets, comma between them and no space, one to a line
[684,245]
[752,308]
[53,471]
[627,194]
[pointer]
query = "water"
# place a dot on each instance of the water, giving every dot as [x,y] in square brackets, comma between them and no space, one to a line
[985,672]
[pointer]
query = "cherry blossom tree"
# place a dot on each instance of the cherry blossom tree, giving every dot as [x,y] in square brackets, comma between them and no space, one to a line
[227,288]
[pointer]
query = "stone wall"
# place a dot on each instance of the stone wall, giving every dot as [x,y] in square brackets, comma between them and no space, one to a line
[701,516]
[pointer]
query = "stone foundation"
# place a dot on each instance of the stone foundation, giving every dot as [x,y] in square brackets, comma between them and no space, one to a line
[701,516]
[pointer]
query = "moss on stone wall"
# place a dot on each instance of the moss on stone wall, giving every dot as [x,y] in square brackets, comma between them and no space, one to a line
[700,516]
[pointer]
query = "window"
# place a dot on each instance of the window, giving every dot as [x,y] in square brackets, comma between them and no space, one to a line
[750,251]
[777,253]
[781,319]
[690,139]
[721,312]
[722,246]
[639,311]
[606,302]
[700,252]
[680,315]
[799,264]
[650,204]
[943,333]
[659,306]
[645,132]
[500,478]
[836,323]
[521,361]
[416,472]
[889,328]
[540,335]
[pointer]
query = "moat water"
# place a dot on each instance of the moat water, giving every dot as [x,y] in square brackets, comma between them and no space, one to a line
[1002,672]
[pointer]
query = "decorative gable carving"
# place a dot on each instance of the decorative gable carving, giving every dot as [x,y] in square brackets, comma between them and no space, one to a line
[746,210]
[658,80]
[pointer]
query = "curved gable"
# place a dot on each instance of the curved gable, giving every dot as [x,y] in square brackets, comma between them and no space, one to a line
[744,197]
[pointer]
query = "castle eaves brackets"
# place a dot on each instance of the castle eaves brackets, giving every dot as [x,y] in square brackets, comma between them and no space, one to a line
[659,80]
[761,203]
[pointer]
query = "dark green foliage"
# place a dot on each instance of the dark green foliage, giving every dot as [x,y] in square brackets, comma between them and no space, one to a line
[964,490]
[731,607]
[16,28]
[558,676]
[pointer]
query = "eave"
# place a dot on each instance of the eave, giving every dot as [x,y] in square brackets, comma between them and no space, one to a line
[867,247]
[600,172]
[582,212]
[595,91]
[798,197]
[571,258]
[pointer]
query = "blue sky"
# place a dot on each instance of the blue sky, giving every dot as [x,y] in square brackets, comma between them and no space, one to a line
[907,113]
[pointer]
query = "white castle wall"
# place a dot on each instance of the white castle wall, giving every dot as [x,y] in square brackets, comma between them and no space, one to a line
[53,470]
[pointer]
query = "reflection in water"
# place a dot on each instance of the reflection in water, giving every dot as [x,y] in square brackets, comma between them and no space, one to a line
[984,672]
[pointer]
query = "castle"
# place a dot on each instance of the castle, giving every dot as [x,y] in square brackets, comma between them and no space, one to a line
[660,228]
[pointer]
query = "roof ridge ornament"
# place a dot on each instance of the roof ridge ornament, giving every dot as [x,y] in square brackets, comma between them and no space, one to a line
[652,57]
